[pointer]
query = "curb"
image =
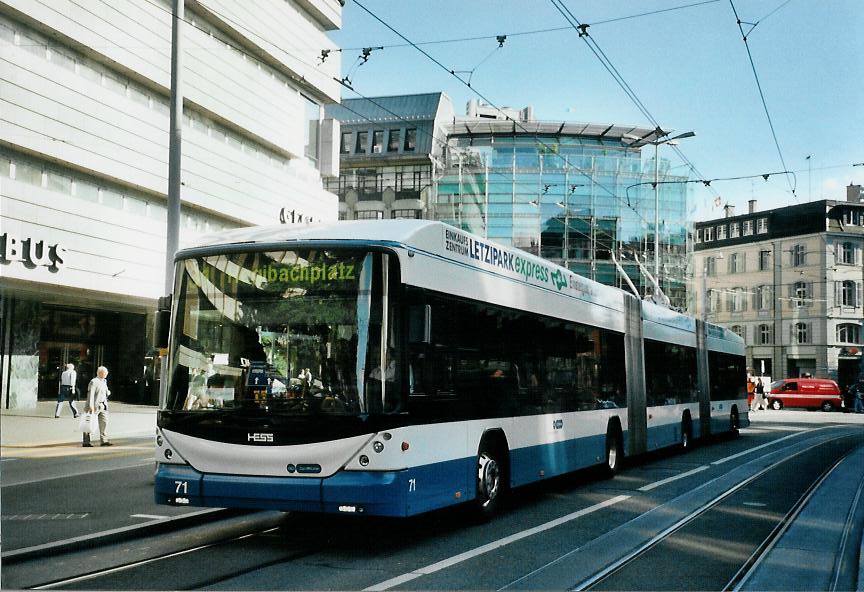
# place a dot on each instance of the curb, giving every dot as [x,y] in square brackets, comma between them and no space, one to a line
[117,534]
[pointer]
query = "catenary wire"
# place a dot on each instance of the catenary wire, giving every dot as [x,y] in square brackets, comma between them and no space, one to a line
[762,97]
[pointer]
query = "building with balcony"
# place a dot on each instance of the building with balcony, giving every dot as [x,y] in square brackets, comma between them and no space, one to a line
[84,133]
[789,281]
[574,193]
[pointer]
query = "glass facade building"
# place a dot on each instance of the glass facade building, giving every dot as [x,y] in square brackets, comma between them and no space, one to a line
[573,193]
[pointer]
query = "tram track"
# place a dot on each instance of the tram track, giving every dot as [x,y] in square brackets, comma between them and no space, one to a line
[612,576]
[255,547]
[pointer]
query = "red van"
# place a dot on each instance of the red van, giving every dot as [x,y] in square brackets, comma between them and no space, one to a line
[813,393]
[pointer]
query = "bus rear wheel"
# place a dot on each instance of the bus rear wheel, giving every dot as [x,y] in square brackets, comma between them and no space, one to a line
[613,454]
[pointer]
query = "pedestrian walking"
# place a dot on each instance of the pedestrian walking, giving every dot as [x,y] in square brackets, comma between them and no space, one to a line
[759,400]
[68,390]
[97,405]
[859,400]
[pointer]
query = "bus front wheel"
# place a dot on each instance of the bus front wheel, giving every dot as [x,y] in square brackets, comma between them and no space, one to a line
[490,482]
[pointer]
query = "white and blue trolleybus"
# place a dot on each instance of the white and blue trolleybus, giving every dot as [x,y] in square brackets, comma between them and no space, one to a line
[395,367]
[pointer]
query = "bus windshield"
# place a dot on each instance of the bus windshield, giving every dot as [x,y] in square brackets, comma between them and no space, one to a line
[297,332]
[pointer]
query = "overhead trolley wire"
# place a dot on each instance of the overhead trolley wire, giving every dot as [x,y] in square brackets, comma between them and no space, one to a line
[761,93]
[582,30]
[348,85]
[532,32]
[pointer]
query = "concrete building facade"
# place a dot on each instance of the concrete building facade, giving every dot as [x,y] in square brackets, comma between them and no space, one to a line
[789,281]
[84,122]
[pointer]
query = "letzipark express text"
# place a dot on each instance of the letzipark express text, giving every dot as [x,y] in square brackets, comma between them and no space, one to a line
[466,246]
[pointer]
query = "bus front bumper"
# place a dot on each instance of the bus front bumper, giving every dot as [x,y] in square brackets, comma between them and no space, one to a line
[346,492]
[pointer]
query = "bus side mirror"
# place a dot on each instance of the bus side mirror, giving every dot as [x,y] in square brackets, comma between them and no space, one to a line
[420,323]
[162,323]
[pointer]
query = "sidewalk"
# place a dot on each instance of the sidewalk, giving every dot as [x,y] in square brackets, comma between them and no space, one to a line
[24,428]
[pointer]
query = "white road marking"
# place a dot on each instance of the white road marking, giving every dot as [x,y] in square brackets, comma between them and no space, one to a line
[470,554]
[94,471]
[150,516]
[755,448]
[656,484]
[495,544]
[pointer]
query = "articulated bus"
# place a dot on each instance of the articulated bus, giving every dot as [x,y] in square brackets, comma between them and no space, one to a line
[395,367]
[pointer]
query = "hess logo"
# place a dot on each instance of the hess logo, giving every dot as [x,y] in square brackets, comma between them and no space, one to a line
[259,437]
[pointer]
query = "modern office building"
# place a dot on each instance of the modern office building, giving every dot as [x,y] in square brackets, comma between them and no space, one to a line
[574,193]
[391,153]
[789,281]
[84,130]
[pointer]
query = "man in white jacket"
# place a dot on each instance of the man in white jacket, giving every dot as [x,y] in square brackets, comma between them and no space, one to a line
[97,403]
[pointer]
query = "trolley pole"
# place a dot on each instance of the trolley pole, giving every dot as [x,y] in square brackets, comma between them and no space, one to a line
[174,145]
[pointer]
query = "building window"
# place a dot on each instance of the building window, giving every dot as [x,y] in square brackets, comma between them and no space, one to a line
[764,260]
[362,140]
[410,140]
[737,330]
[847,293]
[734,230]
[710,266]
[721,232]
[748,227]
[709,234]
[736,263]
[799,255]
[345,146]
[846,253]
[737,301]
[407,214]
[698,237]
[343,215]
[369,215]
[764,334]
[801,333]
[764,298]
[393,141]
[849,333]
[713,301]
[377,141]
[800,294]
[761,225]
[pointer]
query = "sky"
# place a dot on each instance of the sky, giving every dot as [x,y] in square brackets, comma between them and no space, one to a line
[688,67]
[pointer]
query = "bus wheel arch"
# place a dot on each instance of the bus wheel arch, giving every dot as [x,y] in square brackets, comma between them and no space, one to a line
[492,475]
[614,451]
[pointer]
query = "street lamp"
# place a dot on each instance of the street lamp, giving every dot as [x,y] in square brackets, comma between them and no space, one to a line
[638,143]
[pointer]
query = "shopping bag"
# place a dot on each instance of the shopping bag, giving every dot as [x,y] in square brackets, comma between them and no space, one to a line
[88,423]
